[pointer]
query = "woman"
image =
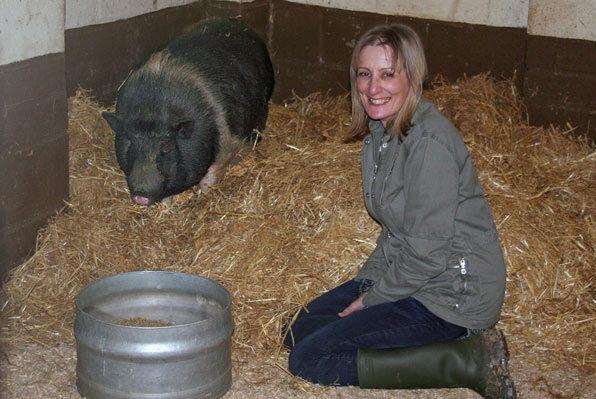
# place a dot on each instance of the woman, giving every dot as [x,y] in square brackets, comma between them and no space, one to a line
[420,312]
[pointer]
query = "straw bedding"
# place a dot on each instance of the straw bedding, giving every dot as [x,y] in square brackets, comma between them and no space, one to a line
[288,222]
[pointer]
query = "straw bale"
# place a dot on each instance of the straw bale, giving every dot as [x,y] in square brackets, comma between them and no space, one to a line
[288,222]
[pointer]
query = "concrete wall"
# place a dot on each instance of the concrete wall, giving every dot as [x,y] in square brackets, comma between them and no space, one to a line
[510,13]
[30,28]
[575,19]
[313,39]
[92,12]
[33,140]
[105,39]
[560,75]
[548,45]
[534,41]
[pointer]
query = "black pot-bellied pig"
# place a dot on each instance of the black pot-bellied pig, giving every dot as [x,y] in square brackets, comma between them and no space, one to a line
[187,111]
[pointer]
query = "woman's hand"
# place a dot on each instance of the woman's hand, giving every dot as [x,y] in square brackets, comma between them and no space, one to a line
[353,307]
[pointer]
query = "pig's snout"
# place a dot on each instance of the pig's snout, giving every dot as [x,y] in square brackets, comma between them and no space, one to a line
[145,183]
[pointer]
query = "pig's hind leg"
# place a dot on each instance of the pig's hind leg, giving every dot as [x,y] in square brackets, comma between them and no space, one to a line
[210,178]
[231,151]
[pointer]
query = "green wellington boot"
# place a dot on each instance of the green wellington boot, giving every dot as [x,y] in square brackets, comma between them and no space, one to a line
[478,363]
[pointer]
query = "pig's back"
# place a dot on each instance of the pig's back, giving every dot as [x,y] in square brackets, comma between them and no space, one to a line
[235,65]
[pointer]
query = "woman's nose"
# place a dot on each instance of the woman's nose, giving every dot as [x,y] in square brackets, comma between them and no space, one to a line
[374,87]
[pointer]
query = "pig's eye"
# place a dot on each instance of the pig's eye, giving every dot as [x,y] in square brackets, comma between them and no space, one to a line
[166,147]
[125,136]
[145,125]
[182,129]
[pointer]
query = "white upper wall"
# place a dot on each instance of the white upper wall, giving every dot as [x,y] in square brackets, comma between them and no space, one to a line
[92,12]
[30,28]
[574,19]
[509,13]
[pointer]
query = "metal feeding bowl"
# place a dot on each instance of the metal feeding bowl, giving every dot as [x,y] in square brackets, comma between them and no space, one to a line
[155,335]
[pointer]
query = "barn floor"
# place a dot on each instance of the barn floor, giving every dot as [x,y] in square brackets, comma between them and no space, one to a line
[36,372]
[289,220]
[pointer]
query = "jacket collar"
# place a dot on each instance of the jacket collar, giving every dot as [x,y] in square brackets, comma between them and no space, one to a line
[376,127]
[423,105]
[378,130]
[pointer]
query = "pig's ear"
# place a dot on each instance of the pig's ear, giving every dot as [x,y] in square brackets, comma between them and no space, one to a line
[113,120]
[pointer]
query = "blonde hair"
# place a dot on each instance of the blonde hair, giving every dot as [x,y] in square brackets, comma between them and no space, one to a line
[409,52]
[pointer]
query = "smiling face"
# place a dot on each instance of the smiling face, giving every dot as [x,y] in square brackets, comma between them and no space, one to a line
[382,85]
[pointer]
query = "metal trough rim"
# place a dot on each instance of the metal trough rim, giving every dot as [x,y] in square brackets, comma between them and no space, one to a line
[152,273]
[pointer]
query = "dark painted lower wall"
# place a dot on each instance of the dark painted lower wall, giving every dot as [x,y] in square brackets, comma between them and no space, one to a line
[310,47]
[560,83]
[313,45]
[33,152]
[99,57]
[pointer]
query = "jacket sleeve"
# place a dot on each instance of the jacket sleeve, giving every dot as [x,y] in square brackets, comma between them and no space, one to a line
[376,262]
[419,252]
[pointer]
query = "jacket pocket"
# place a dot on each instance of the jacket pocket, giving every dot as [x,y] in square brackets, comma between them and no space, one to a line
[464,280]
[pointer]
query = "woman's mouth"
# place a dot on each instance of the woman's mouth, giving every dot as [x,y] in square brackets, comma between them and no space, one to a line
[379,101]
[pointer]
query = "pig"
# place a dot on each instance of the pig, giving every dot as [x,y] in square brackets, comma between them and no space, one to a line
[190,109]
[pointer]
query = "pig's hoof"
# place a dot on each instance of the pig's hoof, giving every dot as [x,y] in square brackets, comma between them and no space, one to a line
[140,200]
[209,179]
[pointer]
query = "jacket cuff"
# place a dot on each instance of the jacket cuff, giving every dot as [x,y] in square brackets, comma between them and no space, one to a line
[372,299]
[365,285]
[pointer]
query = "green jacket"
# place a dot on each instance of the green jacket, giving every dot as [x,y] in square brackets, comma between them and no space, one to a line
[438,242]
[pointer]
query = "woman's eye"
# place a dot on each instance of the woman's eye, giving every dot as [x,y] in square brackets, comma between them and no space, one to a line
[388,75]
[362,74]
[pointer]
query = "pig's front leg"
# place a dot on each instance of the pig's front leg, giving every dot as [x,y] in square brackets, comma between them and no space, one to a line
[210,178]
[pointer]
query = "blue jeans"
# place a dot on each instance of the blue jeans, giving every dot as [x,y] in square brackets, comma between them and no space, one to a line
[324,346]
